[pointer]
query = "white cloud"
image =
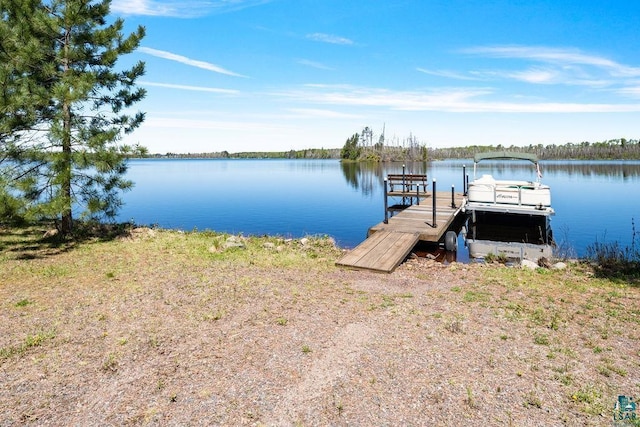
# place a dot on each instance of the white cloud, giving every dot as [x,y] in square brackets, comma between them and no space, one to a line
[329,38]
[170,121]
[188,61]
[456,100]
[448,74]
[314,64]
[181,9]
[325,114]
[633,91]
[191,88]
[556,56]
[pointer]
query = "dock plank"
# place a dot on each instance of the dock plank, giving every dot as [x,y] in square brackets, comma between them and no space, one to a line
[388,244]
[382,251]
[419,218]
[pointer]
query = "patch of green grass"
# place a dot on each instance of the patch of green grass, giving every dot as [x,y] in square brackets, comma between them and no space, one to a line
[538,316]
[565,379]
[30,341]
[531,400]
[470,399]
[541,339]
[24,302]
[455,325]
[110,363]
[473,296]
[54,271]
[306,349]
[492,258]
[514,311]
[556,320]
[607,368]
[590,397]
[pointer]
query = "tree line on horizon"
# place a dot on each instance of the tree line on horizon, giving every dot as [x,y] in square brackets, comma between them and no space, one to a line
[361,147]
[411,150]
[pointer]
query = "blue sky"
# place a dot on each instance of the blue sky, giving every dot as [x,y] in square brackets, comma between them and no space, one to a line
[273,75]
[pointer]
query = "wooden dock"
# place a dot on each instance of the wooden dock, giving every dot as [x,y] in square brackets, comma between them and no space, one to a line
[390,243]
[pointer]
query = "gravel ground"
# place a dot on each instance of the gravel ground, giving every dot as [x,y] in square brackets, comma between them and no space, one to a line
[139,331]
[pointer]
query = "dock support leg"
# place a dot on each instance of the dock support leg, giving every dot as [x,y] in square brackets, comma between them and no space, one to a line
[386,204]
[434,224]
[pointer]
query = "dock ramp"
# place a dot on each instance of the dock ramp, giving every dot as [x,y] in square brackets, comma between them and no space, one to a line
[383,251]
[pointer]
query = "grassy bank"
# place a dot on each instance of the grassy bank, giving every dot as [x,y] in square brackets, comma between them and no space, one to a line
[159,327]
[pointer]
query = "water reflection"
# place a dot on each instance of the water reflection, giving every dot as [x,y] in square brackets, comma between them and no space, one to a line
[515,237]
[369,176]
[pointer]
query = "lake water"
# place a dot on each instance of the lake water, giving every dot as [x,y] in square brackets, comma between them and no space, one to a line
[593,200]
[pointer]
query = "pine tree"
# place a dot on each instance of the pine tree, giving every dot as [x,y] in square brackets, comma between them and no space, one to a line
[63,107]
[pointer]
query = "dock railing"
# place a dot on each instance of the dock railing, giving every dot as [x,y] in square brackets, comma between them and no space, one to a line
[405,186]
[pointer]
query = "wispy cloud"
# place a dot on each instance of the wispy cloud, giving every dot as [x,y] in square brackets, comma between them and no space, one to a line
[545,66]
[564,75]
[188,61]
[181,9]
[458,100]
[171,121]
[314,64]
[323,113]
[632,91]
[449,74]
[329,38]
[191,88]
[556,56]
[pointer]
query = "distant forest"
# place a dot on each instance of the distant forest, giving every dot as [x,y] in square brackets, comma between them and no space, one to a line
[359,147]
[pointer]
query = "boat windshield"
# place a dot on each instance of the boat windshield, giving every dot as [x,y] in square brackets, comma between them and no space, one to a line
[506,155]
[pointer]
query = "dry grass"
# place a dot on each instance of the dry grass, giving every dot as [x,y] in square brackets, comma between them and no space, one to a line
[166,328]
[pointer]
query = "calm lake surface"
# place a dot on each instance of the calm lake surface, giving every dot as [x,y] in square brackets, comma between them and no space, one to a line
[593,200]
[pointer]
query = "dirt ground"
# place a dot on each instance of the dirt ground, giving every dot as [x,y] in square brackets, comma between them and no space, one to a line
[140,331]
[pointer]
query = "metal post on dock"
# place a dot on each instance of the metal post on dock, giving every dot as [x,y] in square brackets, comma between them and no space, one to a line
[434,224]
[453,199]
[386,203]
[404,187]
[464,180]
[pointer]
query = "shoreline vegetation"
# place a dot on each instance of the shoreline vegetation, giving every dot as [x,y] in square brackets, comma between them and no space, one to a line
[359,148]
[135,325]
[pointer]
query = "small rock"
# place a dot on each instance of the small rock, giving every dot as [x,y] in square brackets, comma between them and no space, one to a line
[525,263]
[544,262]
[304,241]
[269,245]
[234,242]
[559,266]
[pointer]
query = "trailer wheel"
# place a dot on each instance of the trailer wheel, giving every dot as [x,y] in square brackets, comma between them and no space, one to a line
[451,241]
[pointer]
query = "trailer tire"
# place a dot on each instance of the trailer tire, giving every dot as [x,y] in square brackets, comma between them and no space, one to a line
[451,241]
